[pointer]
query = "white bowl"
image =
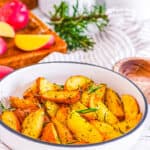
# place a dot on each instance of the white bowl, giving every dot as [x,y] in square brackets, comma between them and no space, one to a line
[58,72]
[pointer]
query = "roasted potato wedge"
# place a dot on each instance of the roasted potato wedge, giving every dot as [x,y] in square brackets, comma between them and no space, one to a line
[23,103]
[106,129]
[127,125]
[44,85]
[103,113]
[66,97]
[114,103]
[11,120]
[85,97]
[51,108]
[23,113]
[77,83]
[100,93]
[82,129]
[49,134]
[31,91]
[79,106]
[97,91]
[62,113]
[130,105]
[63,132]
[33,124]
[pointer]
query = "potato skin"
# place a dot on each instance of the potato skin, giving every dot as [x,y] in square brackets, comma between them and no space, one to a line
[33,124]
[101,92]
[49,134]
[23,103]
[114,103]
[82,129]
[85,97]
[63,132]
[127,125]
[44,85]
[130,105]
[65,97]
[31,91]
[77,82]
[62,113]
[79,106]
[103,113]
[11,120]
[51,108]
[106,129]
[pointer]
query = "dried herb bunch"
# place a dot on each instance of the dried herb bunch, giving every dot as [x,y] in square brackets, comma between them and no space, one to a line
[73,28]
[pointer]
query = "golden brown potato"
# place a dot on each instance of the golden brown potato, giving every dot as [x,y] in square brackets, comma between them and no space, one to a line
[49,134]
[65,97]
[127,125]
[77,83]
[11,120]
[62,113]
[79,106]
[97,91]
[82,129]
[114,104]
[130,105]
[103,113]
[31,91]
[44,85]
[106,129]
[63,132]
[100,92]
[23,103]
[51,108]
[33,124]
[85,97]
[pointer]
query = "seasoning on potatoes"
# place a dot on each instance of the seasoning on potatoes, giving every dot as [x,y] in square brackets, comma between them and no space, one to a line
[78,112]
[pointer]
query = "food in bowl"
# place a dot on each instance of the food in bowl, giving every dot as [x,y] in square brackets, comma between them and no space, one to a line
[58,72]
[78,112]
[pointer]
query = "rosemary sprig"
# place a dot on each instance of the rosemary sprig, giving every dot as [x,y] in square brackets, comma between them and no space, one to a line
[72,28]
[88,110]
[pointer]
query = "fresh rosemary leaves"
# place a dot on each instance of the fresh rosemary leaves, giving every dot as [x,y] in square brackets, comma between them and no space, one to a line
[73,28]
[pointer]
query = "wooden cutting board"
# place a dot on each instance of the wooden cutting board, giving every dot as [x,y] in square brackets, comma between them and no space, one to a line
[16,58]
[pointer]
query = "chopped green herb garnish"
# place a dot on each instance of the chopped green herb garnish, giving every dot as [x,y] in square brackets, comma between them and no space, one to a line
[84,111]
[61,86]
[2,107]
[94,88]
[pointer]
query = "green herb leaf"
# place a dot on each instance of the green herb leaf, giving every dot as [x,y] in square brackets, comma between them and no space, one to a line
[73,28]
[2,107]
[93,88]
[84,111]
